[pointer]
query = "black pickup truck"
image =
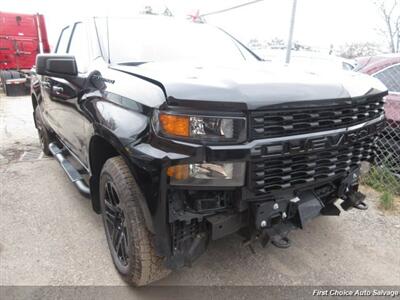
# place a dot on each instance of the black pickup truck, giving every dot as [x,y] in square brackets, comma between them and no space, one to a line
[180,135]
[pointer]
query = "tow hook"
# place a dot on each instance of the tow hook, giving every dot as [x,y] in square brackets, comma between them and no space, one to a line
[361,206]
[356,200]
[282,242]
[278,239]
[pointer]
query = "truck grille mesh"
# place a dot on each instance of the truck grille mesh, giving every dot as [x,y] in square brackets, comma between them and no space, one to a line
[307,119]
[274,172]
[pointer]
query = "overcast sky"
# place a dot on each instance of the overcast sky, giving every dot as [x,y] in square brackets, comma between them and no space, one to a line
[318,22]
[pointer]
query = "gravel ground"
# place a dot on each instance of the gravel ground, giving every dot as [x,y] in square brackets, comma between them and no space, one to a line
[51,236]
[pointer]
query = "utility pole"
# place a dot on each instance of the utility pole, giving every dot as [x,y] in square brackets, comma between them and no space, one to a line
[290,40]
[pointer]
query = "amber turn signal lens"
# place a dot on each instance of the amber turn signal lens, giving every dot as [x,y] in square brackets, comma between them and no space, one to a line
[174,125]
[179,172]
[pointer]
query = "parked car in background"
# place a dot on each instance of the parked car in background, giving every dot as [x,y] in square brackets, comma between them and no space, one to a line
[308,60]
[387,69]
[22,37]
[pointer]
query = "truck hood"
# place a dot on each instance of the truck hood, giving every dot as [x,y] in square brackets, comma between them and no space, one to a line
[256,85]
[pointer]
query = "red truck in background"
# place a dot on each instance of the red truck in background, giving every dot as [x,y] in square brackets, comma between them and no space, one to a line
[22,37]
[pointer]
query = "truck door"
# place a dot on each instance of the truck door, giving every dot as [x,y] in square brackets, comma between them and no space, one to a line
[65,97]
[47,83]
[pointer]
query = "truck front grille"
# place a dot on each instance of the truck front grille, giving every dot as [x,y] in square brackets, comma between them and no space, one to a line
[306,117]
[292,164]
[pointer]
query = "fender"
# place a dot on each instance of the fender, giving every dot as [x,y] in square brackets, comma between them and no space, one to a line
[35,95]
[35,86]
[117,143]
[117,116]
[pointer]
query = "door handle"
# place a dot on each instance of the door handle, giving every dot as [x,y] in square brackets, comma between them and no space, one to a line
[57,89]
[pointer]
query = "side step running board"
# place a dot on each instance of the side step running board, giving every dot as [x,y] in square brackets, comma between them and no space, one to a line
[72,173]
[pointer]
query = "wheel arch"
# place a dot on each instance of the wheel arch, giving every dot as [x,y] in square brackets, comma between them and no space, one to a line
[34,101]
[34,105]
[101,148]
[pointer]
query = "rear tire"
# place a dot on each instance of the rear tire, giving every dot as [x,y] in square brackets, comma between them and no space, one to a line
[45,138]
[5,75]
[129,241]
[15,74]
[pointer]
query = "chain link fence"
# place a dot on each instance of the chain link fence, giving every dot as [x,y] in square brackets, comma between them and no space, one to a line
[384,174]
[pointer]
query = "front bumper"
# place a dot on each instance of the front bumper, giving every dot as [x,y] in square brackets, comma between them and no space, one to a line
[186,218]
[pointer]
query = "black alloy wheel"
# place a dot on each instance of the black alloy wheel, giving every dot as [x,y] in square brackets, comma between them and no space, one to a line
[130,242]
[116,224]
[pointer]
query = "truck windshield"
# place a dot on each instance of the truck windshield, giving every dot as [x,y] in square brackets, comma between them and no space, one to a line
[157,39]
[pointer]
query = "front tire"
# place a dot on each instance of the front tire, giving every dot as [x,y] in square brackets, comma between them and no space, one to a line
[129,241]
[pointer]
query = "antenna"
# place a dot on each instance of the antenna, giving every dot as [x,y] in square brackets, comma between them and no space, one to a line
[108,44]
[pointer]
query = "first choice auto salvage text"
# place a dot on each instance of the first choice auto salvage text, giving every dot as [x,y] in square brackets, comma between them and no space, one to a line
[357,292]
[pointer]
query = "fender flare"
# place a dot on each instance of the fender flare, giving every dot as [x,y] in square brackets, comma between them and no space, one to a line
[108,136]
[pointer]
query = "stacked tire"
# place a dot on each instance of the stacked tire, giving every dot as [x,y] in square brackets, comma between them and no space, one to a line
[11,89]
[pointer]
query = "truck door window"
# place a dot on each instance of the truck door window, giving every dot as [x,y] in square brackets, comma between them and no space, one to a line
[63,40]
[390,77]
[79,47]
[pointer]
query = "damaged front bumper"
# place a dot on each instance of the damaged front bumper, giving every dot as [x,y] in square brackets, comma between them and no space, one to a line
[197,217]
[288,182]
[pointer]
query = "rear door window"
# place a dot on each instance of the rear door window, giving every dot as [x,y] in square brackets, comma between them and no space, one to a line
[63,40]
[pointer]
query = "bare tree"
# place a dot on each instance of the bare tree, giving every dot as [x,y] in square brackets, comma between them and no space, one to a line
[390,12]
[354,50]
[277,43]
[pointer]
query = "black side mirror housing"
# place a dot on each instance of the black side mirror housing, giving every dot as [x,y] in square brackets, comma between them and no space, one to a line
[56,65]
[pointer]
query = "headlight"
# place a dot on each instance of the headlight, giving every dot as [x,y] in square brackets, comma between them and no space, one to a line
[208,174]
[200,128]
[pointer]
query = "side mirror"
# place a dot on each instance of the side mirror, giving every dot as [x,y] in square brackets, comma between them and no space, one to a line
[56,65]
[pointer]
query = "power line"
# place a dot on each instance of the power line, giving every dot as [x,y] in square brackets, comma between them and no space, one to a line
[230,8]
